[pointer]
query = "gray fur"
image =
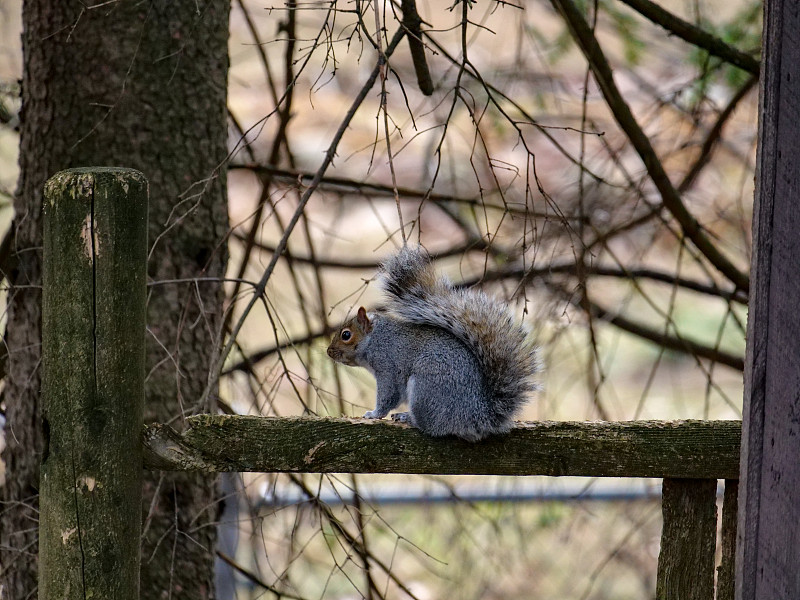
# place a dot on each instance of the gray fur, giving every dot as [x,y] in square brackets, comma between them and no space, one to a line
[470,381]
[434,374]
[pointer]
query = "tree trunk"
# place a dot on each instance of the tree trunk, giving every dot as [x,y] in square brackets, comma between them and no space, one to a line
[139,85]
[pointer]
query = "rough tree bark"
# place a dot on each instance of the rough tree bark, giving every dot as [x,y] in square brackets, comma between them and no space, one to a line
[140,85]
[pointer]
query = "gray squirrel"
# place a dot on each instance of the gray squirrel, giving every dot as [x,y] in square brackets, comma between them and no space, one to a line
[456,356]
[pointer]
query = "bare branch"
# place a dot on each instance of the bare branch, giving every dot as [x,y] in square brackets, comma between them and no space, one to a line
[676,343]
[622,113]
[694,35]
[412,22]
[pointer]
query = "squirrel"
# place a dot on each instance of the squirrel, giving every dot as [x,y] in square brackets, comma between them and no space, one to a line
[455,356]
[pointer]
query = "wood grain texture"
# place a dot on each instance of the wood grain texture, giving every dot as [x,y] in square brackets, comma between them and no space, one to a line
[689,449]
[93,353]
[688,540]
[769,503]
[726,572]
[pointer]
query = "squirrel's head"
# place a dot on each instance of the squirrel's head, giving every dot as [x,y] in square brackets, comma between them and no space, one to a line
[345,341]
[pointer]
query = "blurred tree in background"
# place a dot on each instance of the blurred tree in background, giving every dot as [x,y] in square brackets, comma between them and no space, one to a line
[591,162]
[145,87]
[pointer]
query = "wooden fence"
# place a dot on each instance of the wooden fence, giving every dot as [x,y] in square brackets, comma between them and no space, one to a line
[93,389]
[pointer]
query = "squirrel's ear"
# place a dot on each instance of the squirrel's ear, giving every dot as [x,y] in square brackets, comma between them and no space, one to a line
[363,319]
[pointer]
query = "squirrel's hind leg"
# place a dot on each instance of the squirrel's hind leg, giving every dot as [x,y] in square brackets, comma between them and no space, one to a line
[446,406]
[403,417]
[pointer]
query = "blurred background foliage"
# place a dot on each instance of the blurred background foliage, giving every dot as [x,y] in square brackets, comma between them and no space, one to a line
[517,174]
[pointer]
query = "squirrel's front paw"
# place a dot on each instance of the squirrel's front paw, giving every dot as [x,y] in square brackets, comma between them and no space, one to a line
[400,417]
[373,414]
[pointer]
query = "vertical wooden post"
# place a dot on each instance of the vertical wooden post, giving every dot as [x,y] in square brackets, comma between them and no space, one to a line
[726,572]
[93,322]
[688,540]
[768,547]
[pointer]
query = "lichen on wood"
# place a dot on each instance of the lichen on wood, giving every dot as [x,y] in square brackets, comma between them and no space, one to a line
[93,384]
[687,449]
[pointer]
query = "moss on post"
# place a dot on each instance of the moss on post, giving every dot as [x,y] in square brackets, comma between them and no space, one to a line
[95,252]
[216,443]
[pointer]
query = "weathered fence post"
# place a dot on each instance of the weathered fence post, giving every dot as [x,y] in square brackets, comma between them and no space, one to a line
[688,540]
[726,572]
[95,252]
[768,542]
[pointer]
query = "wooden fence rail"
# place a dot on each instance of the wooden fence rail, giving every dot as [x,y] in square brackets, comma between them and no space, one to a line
[675,449]
[93,388]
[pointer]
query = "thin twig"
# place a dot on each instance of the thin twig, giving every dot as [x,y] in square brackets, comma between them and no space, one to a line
[714,134]
[345,184]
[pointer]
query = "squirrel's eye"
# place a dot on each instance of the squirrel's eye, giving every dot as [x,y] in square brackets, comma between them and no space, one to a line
[346,335]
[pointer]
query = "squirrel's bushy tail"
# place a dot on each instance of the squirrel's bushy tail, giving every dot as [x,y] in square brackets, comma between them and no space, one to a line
[504,348]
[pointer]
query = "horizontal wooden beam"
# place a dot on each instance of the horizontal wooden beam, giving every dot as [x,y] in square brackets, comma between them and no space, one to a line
[215,443]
